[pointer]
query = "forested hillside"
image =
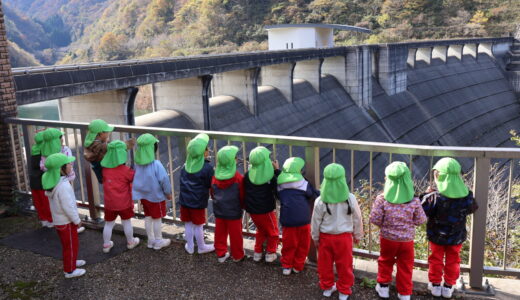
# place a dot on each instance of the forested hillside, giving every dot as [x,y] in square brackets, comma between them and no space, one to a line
[98,30]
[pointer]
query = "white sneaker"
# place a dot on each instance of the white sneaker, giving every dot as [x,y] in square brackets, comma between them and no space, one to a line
[383,291]
[270,257]
[403,297]
[80,263]
[150,243]
[286,271]
[343,296]
[436,290]
[447,292]
[106,248]
[188,249]
[75,273]
[257,257]
[50,225]
[80,229]
[328,293]
[159,244]
[207,249]
[134,243]
[295,271]
[223,259]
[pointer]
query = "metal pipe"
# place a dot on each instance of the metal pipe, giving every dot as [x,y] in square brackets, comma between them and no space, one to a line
[170,168]
[13,147]
[80,169]
[506,237]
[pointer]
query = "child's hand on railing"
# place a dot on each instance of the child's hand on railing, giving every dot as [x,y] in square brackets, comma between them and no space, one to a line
[276,165]
[169,196]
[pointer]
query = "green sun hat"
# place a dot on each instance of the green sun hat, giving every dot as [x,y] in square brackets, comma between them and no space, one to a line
[95,127]
[226,163]
[450,182]
[116,154]
[51,141]
[145,152]
[291,170]
[195,153]
[53,163]
[398,184]
[334,187]
[38,140]
[261,170]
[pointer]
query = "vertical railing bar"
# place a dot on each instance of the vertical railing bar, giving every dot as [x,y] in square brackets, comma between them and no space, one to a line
[333,155]
[244,157]
[506,238]
[352,170]
[13,147]
[170,168]
[80,168]
[245,218]
[274,152]
[430,178]
[290,150]
[411,165]
[390,158]
[25,155]
[66,134]
[215,149]
[482,168]
[370,199]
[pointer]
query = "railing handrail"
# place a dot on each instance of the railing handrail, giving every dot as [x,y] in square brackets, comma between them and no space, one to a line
[408,149]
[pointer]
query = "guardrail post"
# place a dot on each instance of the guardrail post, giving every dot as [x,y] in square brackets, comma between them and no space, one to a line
[312,174]
[478,224]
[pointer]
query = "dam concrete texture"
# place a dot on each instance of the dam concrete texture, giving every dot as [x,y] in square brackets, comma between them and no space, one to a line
[466,102]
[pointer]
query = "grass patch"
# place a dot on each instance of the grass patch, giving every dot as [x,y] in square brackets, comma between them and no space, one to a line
[14,224]
[25,290]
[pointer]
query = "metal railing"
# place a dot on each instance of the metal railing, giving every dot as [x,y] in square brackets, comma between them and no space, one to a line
[356,156]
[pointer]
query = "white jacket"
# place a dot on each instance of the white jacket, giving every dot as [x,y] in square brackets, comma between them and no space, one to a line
[63,203]
[338,221]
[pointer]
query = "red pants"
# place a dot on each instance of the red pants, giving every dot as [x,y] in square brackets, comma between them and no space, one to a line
[436,263]
[195,215]
[156,210]
[266,229]
[69,245]
[233,229]
[296,242]
[336,248]
[401,253]
[41,204]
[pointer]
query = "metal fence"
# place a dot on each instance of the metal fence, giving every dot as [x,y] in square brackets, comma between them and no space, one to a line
[316,151]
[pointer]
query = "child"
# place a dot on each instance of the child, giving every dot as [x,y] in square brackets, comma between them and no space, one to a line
[53,143]
[228,195]
[296,195]
[195,182]
[96,145]
[260,202]
[152,186]
[64,210]
[117,189]
[447,210]
[40,201]
[336,218]
[396,212]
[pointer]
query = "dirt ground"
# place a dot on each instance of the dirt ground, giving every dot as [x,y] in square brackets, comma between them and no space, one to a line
[170,273]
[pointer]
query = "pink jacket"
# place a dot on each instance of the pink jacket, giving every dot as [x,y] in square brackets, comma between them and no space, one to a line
[397,221]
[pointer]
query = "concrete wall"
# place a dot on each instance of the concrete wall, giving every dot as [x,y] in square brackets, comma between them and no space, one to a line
[337,67]
[309,70]
[324,37]
[242,84]
[110,106]
[183,95]
[359,75]
[291,38]
[279,76]
[391,71]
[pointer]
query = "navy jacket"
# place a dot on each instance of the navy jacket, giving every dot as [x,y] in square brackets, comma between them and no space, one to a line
[35,173]
[260,199]
[296,200]
[447,217]
[194,188]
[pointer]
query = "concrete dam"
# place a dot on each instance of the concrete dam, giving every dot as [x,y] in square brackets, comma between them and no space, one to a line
[466,102]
